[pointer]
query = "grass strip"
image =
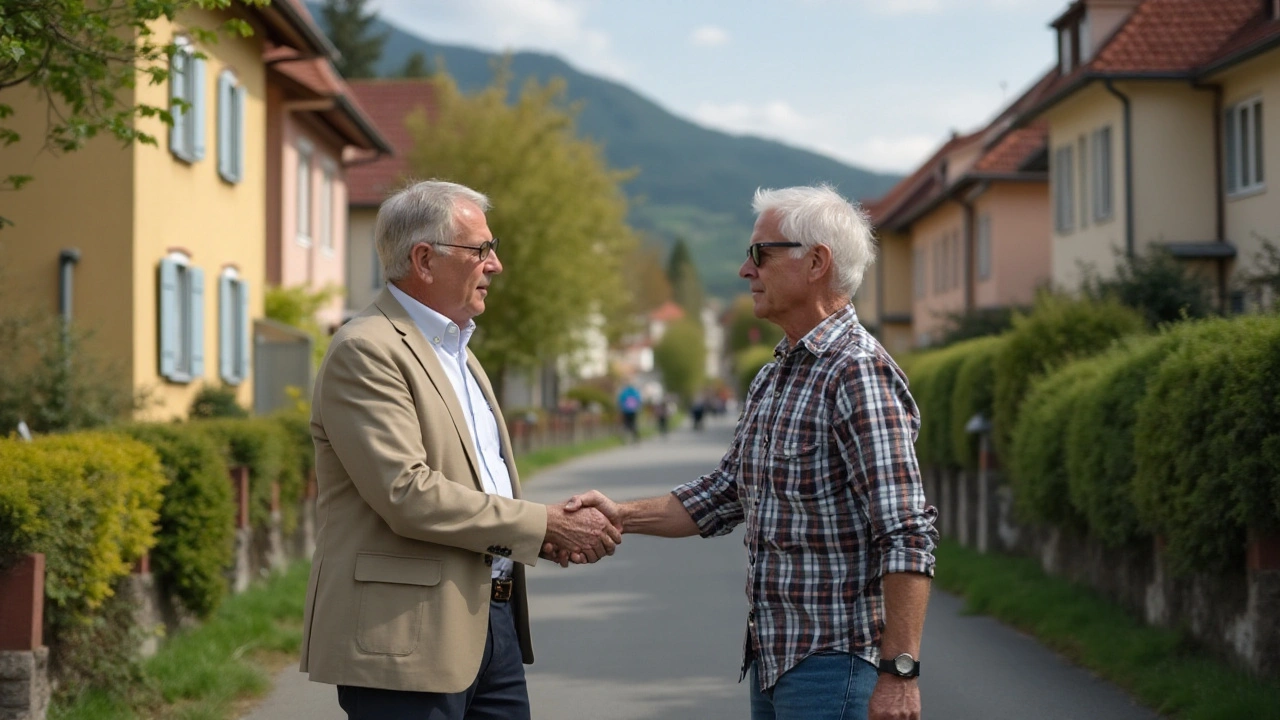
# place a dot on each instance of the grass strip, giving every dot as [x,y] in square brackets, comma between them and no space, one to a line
[205,672]
[532,462]
[1163,668]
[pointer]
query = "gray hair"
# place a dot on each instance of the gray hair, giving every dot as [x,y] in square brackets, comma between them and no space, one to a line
[420,213]
[820,216]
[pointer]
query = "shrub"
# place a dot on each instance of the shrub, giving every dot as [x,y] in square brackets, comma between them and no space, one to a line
[264,446]
[681,357]
[1037,461]
[748,363]
[197,520]
[216,401]
[1156,284]
[1207,447]
[587,395]
[973,393]
[932,377]
[1057,330]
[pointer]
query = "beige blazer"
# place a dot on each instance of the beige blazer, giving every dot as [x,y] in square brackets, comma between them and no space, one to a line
[399,590]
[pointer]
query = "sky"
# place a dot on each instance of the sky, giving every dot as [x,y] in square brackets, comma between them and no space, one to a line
[879,84]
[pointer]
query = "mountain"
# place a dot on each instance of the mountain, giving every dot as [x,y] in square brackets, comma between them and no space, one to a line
[691,181]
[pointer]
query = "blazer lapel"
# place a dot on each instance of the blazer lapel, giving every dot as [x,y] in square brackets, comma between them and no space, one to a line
[431,365]
[483,378]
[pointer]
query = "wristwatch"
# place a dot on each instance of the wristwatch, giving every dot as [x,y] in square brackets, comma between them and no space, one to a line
[903,666]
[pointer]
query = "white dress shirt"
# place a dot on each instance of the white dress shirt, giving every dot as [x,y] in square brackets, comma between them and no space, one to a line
[450,344]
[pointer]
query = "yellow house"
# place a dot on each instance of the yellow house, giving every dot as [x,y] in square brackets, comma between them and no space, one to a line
[1158,136]
[161,250]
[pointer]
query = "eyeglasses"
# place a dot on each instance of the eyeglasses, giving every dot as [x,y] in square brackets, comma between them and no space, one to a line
[482,250]
[753,250]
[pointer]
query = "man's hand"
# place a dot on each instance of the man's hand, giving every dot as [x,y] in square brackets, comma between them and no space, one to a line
[596,499]
[895,698]
[587,535]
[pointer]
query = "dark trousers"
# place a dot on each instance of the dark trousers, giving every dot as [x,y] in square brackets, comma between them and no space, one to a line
[498,693]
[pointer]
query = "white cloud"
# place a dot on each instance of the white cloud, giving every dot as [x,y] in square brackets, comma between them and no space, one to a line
[773,119]
[709,36]
[900,153]
[936,7]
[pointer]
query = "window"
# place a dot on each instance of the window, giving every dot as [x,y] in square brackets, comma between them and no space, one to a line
[181,319]
[1242,130]
[918,269]
[1084,181]
[186,102]
[1065,50]
[304,194]
[1082,31]
[984,246]
[326,207]
[937,266]
[957,263]
[230,127]
[1101,169]
[1063,189]
[233,327]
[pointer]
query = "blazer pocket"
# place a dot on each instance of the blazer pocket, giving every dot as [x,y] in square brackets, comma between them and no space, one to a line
[393,590]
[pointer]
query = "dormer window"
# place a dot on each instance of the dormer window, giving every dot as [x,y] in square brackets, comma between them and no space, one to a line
[1074,38]
[1066,50]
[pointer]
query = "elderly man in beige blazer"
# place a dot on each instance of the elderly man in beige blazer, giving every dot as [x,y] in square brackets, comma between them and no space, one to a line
[416,606]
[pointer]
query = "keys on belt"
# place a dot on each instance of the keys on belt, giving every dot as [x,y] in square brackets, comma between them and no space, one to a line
[502,589]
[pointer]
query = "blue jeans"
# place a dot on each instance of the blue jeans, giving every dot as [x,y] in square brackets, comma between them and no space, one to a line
[824,686]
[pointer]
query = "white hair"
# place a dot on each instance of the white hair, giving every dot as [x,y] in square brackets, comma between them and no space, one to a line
[420,213]
[820,216]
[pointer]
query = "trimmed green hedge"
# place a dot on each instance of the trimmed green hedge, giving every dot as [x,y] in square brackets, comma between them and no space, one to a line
[197,519]
[973,394]
[1207,444]
[268,449]
[1057,331]
[1037,460]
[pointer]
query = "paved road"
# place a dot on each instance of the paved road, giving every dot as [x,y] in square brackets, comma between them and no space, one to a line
[655,632]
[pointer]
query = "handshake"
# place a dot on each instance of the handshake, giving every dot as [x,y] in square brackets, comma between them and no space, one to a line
[582,530]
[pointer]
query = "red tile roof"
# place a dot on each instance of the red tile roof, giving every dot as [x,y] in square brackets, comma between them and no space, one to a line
[667,312]
[389,103]
[1011,153]
[1173,35]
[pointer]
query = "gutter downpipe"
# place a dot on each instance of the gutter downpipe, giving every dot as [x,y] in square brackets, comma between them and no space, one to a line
[1220,190]
[1128,167]
[67,260]
[970,254]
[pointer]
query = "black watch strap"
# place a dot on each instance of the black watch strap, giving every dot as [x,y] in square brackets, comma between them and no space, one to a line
[903,666]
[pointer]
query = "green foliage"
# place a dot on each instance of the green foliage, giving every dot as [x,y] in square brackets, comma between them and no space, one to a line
[1157,285]
[555,202]
[973,394]
[681,357]
[417,66]
[268,450]
[1038,457]
[197,518]
[745,329]
[84,58]
[686,288]
[350,30]
[588,395]
[296,422]
[1206,444]
[216,401]
[1057,331]
[933,398]
[297,306]
[646,279]
[53,379]
[979,322]
[748,363]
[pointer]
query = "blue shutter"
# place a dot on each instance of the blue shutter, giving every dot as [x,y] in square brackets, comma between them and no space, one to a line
[197,108]
[226,331]
[244,330]
[225,150]
[1230,167]
[197,322]
[168,318]
[178,67]
[237,131]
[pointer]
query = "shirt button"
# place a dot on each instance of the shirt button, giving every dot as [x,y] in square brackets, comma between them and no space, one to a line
[436,340]
[777,393]
[453,329]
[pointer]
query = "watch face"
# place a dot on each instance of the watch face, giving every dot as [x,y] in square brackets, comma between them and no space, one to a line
[904,664]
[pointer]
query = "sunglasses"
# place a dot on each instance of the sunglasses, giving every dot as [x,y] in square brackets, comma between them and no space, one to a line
[482,250]
[753,250]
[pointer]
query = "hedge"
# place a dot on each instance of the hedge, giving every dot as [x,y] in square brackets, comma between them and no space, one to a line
[265,446]
[197,519]
[1037,457]
[89,502]
[1057,330]
[749,362]
[1207,444]
[973,393]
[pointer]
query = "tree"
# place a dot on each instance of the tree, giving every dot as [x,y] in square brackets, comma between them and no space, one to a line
[647,279]
[350,30]
[681,357]
[745,329]
[686,288]
[297,306]
[417,66]
[82,57]
[557,206]
[1157,285]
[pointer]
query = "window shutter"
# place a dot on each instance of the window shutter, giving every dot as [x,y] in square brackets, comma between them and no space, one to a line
[197,322]
[237,132]
[245,331]
[168,318]
[1229,139]
[197,108]
[226,331]
[178,68]
[224,128]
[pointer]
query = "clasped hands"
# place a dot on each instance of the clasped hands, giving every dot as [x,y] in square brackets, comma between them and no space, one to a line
[583,529]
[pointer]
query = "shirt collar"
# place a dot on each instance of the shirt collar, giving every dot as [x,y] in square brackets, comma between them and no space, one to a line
[824,334]
[438,330]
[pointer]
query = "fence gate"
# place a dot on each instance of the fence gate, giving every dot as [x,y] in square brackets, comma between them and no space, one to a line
[281,359]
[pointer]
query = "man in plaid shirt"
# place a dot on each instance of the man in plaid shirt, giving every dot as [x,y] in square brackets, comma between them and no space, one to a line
[823,472]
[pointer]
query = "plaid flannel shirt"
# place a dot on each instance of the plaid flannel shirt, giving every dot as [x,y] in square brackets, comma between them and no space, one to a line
[823,471]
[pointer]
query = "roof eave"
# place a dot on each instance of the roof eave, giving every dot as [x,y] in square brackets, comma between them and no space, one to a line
[1240,56]
[304,32]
